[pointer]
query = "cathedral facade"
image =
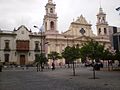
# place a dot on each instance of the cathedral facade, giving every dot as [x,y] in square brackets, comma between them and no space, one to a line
[79,31]
[21,46]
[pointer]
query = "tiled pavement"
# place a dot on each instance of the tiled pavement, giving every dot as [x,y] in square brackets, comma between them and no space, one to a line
[60,79]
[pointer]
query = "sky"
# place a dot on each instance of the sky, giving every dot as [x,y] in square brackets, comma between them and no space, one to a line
[14,13]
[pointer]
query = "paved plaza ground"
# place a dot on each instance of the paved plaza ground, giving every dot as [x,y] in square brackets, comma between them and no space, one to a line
[59,79]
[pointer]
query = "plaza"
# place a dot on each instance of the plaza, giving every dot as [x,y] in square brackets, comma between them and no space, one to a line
[59,79]
[21,49]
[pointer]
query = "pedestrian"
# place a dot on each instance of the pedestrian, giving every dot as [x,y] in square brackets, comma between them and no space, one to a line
[53,66]
[60,64]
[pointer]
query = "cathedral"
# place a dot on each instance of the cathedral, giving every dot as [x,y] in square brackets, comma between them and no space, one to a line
[79,31]
[21,45]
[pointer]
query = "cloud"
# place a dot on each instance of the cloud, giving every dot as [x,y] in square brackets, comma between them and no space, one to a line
[31,12]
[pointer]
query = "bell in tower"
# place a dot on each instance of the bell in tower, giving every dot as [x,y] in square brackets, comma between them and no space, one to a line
[102,25]
[50,19]
[49,1]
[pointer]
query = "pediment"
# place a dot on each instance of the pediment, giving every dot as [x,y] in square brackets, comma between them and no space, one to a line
[81,20]
[22,33]
[22,27]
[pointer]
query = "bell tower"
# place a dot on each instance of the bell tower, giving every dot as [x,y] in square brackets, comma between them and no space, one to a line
[50,18]
[102,25]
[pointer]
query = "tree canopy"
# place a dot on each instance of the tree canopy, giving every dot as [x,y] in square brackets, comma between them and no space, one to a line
[92,49]
[71,53]
[54,55]
[41,58]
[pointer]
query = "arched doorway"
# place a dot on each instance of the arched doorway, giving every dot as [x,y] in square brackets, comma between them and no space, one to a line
[22,59]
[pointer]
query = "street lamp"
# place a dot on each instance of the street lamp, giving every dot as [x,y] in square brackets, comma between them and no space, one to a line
[41,36]
[40,29]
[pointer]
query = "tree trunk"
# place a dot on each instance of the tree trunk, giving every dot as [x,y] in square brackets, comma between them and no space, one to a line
[37,67]
[94,76]
[93,71]
[68,64]
[112,65]
[73,69]
[108,65]
[41,65]
[119,63]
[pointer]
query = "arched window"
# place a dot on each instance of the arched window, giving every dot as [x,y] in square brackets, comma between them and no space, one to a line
[46,10]
[105,31]
[52,25]
[51,10]
[99,19]
[99,31]
[103,19]
[45,26]
[6,57]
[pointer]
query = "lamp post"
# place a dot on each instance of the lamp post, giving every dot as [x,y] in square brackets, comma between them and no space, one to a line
[40,38]
[40,46]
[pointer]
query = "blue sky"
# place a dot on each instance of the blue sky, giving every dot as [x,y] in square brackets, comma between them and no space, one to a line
[14,13]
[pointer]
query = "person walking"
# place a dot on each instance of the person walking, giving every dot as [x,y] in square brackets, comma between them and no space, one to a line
[53,66]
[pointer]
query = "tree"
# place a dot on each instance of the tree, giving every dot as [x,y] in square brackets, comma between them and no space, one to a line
[71,54]
[41,59]
[93,50]
[84,52]
[107,55]
[54,56]
[65,55]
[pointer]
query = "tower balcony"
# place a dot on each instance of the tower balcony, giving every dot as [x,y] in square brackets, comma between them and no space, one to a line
[98,23]
[51,15]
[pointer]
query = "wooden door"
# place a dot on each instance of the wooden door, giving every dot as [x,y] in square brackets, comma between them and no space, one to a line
[22,59]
